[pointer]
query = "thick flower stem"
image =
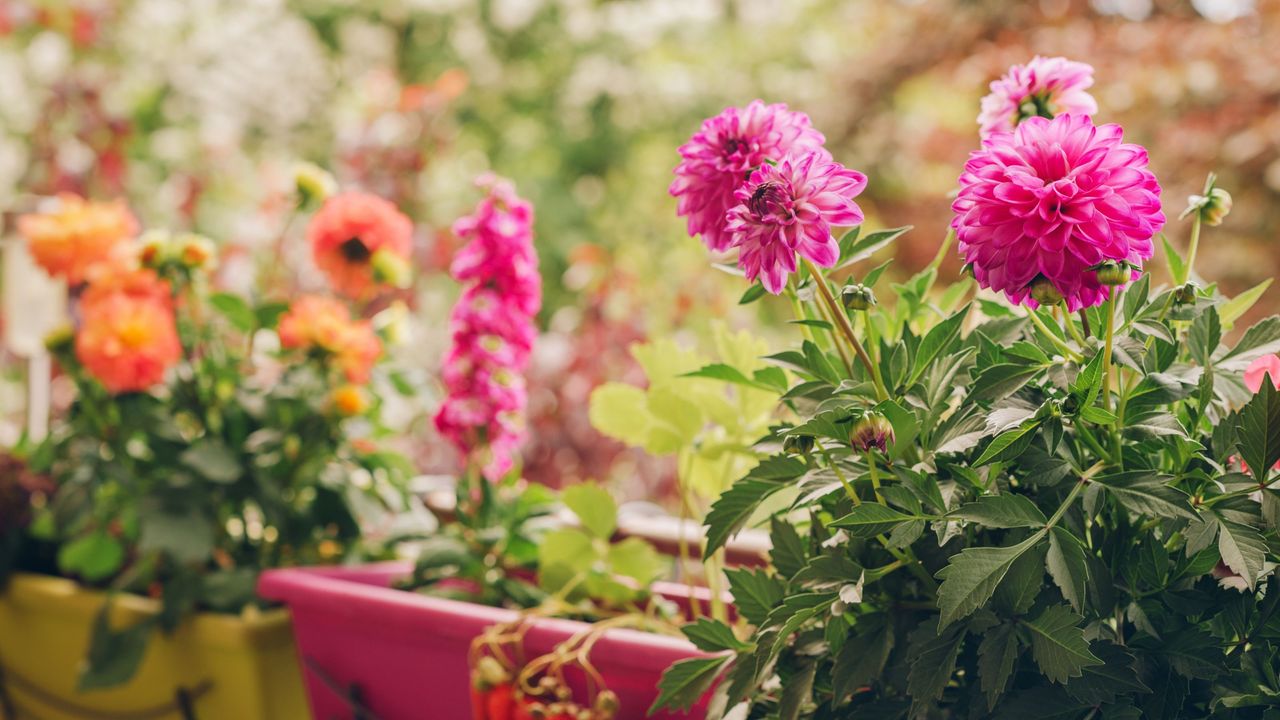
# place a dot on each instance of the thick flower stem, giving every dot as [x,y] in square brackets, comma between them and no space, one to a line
[1071,327]
[1067,352]
[844,355]
[1106,349]
[682,539]
[842,321]
[943,249]
[1192,246]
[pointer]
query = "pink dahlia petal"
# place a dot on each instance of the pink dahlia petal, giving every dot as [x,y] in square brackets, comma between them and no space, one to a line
[717,160]
[1044,86]
[1055,198]
[1260,368]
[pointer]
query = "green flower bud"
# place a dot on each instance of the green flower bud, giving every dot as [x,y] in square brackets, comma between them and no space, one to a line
[61,339]
[313,184]
[1217,207]
[857,296]
[872,431]
[1186,294]
[391,269]
[1114,273]
[798,444]
[1044,292]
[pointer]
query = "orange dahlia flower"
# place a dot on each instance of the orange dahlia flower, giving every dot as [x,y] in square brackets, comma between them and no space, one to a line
[128,341]
[77,235]
[324,325]
[361,243]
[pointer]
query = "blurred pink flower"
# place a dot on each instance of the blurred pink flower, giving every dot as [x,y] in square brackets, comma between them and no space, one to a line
[719,157]
[1045,86]
[1055,198]
[790,208]
[1260,368]
[493,330]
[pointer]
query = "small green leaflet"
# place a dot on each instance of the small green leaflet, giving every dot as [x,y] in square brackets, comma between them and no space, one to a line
[1008,445]
[1242,549]
[713,636]
[1058,644]
[1002,511]
[870,519]
[1177,268]
[940,338]
[1235,307]
[1067,566]
[686,681]
[973,576]
[1144,492]
[996,655]
[755,593]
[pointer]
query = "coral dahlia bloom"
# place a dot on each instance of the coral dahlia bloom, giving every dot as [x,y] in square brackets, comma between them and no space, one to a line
[790,208]
[127,341]
[324,326]
[354,237]
[723,153]
[77,235]
[1055,198]
[1044,87]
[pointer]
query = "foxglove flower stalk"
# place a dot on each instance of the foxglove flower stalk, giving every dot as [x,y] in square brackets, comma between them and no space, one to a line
[1044,87]
[1050,201]
[788,209]
[720,157]
[493,330]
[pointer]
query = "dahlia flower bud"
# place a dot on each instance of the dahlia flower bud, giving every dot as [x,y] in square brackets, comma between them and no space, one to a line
[1044,292]
[1114,272]
[798,444]
[61,339]
[196,251]
[155,249]
[349,400]
[1186,294]
[857,296]
[872,431]
[313,183]
[1217,208]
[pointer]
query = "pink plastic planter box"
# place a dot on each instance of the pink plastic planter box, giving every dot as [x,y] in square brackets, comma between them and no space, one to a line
[403,655]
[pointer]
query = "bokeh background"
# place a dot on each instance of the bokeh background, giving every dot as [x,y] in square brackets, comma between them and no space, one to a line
[195,111]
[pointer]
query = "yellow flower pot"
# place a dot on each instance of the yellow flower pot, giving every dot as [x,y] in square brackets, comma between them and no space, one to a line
[220,666]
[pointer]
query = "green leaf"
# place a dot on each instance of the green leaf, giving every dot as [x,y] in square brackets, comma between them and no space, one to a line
[214,460]
[93,557]
[934,654]
[594,506]
[1058,644]
[1008,445]
[1237,306]
[620,411]
[187,538]
[1262,338]
[563,555]
[753,293]
[236,310]
[755,593]
[1116,676]
[1067,566]
[1001,380]
[870,519]
[1002,511]
[797,691]
[794,612]
[1204,336]
[861,661]
[1258,430]
[1021,586]
[1177,268]
[686,681]
[1097,416]
[788,551]
[114,655]
[730,512]
[867,246]
[711,635]
[1144,492]
[996,656]
[939,338]
[973,576]
[635,558]
[1243,550]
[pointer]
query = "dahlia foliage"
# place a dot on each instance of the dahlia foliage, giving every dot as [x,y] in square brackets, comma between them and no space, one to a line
[997,509]
[493,330]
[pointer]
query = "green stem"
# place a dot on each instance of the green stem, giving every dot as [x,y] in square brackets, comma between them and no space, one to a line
[1193,246]
[942,250]
[682,540]
[1071,327]
[844,356]
[1075,492]
[842,321]
[875,477]
[1066,350]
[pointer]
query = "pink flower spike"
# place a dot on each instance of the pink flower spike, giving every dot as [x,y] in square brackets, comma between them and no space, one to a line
[717,160]
[1055,198]
[1045,85]
[1260,368]
[790,208]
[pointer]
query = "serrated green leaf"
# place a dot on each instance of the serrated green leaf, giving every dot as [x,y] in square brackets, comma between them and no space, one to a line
[862,659]
[711,635]
[1104,683]
[933,661]
[1242,549]
[1177,267]
[788,551]
[1058,644]
[1237,306]
[1066,564]
[996,656]
[755,593]
[1002,511]
[870,519]
[635,558]
[686,681]
[1144,492]
[939,338]
[1008,445]
[1258,430]
[973,576]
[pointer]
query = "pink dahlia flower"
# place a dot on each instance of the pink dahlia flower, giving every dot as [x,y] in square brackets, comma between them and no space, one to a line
[1259,369]
[1044,87]
[789,208]
[720,156]
[493,330]
[1055,198]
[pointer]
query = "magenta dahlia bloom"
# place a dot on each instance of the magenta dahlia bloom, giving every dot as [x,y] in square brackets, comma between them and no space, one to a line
[493,330]
[718,159]
[1055,198]
[790,208]
[1044,87]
